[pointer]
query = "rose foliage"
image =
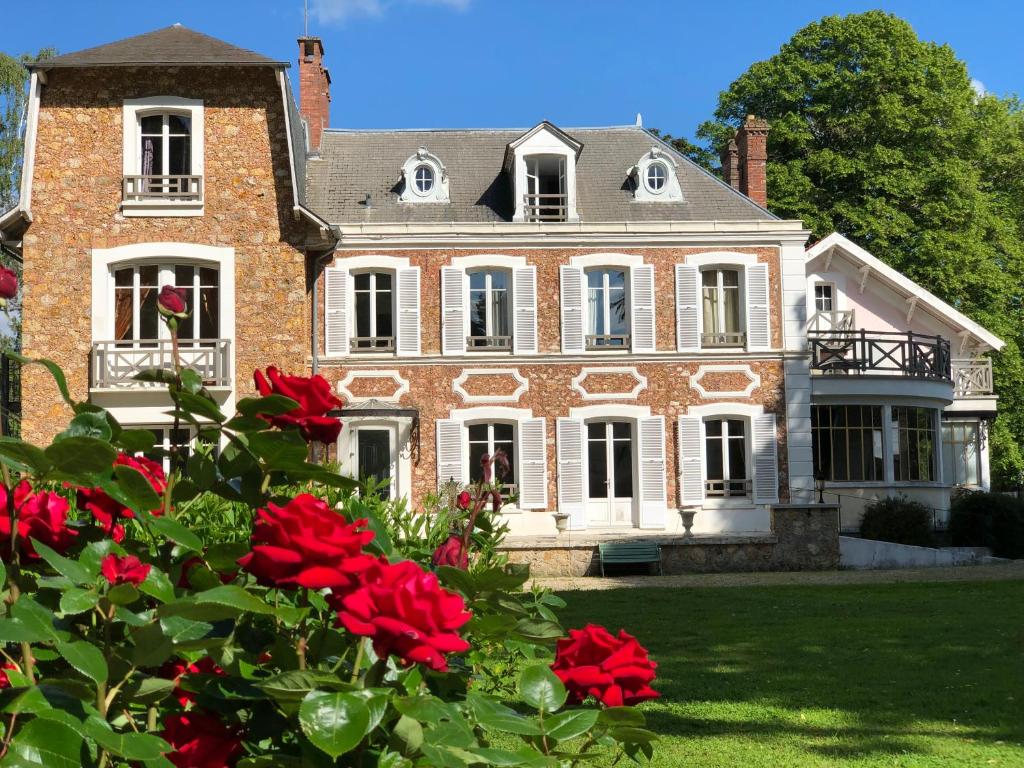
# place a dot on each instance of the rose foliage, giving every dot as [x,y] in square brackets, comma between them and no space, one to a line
[336,629]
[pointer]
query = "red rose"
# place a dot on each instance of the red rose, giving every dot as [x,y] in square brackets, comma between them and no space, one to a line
[463,500]
[172,302]
[452,553]
[106,510]
[8,284]
[177,669]
[315,399]
[306,544]
[201,740]
[614,670]
[42,516]
[124,570]
[5,681]
[405,612]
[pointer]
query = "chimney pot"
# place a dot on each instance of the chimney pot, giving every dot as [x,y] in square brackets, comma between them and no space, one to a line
[314,89]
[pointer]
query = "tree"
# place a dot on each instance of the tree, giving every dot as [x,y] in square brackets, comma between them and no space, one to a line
[881,136]
[13,99]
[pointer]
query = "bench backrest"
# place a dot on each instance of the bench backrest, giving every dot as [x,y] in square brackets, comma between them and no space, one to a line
[630,552]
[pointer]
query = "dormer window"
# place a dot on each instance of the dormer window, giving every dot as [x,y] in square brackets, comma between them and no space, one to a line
[541,165]
[425,179]
[547,197]
[654,178]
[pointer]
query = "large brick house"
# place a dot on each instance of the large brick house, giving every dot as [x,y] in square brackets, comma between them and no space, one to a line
[637,334]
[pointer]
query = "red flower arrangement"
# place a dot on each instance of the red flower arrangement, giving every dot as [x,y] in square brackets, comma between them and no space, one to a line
[124,570]
[614,670]
[404,610]
[307,544]
[106,510]
[42,516]
[315,399]
[201,740]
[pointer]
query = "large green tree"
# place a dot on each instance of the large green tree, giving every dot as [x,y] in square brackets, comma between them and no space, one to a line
[13,98]
[880,135]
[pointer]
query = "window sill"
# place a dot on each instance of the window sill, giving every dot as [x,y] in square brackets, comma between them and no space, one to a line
[744,502]
[162,208]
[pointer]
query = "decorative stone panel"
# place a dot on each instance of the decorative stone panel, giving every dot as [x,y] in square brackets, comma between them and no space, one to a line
[388,386]
[490,385]
[610,383]
[723,381]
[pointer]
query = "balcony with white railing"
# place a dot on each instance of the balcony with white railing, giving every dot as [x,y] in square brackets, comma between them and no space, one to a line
[972,378]
[546,207]
[832,320]
[114,364]
[140,188]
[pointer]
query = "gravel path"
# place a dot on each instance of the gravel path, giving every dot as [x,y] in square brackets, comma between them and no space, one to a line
[1001,572]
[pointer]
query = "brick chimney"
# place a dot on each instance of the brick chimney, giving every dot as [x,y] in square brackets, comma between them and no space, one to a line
[314,89]
[731,164]
[752,143]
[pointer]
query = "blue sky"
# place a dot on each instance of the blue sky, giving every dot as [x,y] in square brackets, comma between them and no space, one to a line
[511,63]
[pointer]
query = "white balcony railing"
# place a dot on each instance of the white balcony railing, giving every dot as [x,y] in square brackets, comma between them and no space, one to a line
[173,188]
[834,320]
[972,378]
[546,207]
[115,363]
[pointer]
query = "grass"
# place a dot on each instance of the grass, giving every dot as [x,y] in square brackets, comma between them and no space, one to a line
[908,675]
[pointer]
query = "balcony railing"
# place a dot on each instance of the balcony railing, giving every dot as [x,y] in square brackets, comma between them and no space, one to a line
[608,341]
[173,188]
[372,344]
[492,343]
[884,352]
[972,377]
[724,339]
[546,207]
[726,489]
[832,320]
[115,363]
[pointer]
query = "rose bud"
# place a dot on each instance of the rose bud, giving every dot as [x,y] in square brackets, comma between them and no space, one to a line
[463,500]
[124,570]
[452,553]
[8,285]
[172,302]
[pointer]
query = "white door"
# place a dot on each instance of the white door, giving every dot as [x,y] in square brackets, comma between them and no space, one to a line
[610,480]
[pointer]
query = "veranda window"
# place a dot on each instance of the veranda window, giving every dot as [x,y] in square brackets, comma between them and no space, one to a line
[486,439]
[725,451]
[961,453]
[374,304]
[607,313]
[136,320]
[846,442]
[489,310]
[913,444]
[721,303]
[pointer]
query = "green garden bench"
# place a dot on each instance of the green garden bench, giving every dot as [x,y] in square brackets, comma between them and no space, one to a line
[630,552]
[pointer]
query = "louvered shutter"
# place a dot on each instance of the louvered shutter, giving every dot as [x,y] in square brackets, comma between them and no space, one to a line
[533,464]
[691,470]
[642,308]
[766,460]
[336,331]
[453,311]
[651,440]
[687,308]
[758,325]
[407,342]
[572,310]
[571,494]
[524,315]
[449,451]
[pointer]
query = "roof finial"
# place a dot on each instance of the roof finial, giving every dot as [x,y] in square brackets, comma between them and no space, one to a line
[177,24]
[639,120]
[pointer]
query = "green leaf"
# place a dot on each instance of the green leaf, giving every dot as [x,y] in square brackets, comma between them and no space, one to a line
[271,405]
[538,631]
[52,367]
[156,376]
[223,557]
[130,746]
[86,658]
[88,424]
[123,594]
[152,647]
[135,440]
[191,381]
[200,406]
[81,455]
[497,717]
[541,689]
[47,744]
[334,722]
[35,617]
[183,630]
[15,631]
[74,571]
[279,449]
[406,735]
[570,724]
[137,488]
[632,735]
[158,585]
[201,470]
[75,601]
[296,684]
[234,596]
[246,424]
[176,532]
[24,457]
[622,716]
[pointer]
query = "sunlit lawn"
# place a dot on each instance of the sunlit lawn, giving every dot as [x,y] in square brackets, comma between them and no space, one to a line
[882,675]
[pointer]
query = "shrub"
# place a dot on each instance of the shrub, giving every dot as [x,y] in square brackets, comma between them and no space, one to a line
[992,520]
[900,520]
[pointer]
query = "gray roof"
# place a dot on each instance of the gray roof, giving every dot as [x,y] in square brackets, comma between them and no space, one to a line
[355,163]
[173,46]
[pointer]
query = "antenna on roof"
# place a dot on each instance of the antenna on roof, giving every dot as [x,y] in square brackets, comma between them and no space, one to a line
[639,120]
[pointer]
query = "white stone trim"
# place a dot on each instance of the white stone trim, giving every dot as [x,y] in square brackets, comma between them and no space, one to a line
[726,409]
[485,260]
[746,370]
[725,258]
[641,383]
[671,192]
[438,193]
[351,376]
[490,413]
[370,261]
[589,260]
[31,132]
[610,411]
[524,385]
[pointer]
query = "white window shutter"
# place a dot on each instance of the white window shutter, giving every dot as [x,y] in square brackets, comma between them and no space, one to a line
[524,313]
[336,300]
[642,308]
[766,459]
[453,311]
[572,497]
[407,341]
[533,464]
[449,451]
[573,306]
[687,308]
[759,335]
[651,442]
[691,463]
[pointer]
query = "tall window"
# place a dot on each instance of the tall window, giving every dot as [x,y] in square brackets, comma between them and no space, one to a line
[165,150]
[913,445]
[961,454]
[546,196]
[374,311]
[489,310]
[607,316]
[721,298]
[610,459]
[485,439]
[847,442]
[136,288]
[725,450]
[824,299]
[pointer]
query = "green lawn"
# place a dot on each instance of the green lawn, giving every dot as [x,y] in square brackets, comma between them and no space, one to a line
[916,675]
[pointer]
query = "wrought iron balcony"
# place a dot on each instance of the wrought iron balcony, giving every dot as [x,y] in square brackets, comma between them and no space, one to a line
[171,188]
[879,352]
[972,378]
[115,363]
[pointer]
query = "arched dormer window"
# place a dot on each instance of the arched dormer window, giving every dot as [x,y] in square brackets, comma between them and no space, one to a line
[425,179]
[654,178]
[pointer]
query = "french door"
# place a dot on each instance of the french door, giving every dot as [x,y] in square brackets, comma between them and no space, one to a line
[375,459]
[610,479]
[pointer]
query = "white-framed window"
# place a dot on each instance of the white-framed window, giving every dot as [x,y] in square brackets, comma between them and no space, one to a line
[490,304]
[485,438]
[166,438]
[656,177]
[720,294]
[913,443]
[425,179]
[379,449]
[137,322]
[373,303]
[847,442]
[726,453]
[824,297]
[961,453]
[610,472]
[607,308]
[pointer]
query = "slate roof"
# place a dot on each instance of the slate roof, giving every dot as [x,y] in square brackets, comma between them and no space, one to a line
[173,46]
[355,163]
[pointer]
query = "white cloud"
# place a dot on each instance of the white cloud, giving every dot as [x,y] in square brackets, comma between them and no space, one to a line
[340,11]
[978,86]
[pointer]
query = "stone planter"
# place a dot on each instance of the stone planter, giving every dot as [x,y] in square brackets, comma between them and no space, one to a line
[687,515]
[561,521]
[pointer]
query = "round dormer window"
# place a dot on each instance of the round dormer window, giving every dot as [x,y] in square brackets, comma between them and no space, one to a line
[656,177]
[423,179]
